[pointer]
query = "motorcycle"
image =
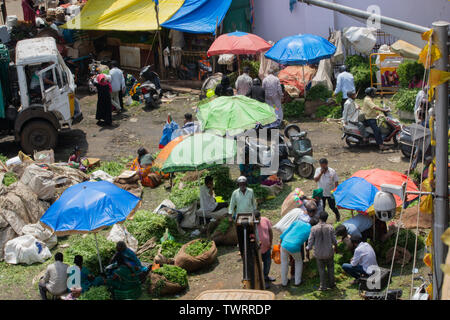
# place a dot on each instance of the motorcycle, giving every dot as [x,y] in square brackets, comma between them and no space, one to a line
[150,88]
[300,148]
[411,133]
[391,131]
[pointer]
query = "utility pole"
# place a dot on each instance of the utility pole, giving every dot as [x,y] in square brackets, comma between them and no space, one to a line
[161,63]
[440,217]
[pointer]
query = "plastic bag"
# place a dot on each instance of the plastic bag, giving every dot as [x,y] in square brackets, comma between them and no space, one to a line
[166,236]
[120,233]
[26,249]
[276,254]
[286,221]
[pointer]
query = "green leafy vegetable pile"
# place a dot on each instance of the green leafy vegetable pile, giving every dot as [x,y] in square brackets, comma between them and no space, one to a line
[86,247]
[3,158]
[198,247]
[223,226]
[113,168]
[359,67]
[325,111]
[150,254]
[183,197]
[407,70]
[318,92]
[294,109]
[223,184]
[9,178]
[96,293]
[170,248]
[405,99]
[382,248]
[173,274]
[146,225]
[259,191]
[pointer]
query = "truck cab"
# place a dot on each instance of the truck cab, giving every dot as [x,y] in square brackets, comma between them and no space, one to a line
[39,96]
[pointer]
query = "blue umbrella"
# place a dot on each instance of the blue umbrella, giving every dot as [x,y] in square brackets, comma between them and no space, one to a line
[89,207]
[300,50]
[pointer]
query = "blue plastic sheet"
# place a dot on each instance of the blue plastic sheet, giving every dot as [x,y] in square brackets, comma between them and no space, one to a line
[355,194]
[199,16]
[89,206]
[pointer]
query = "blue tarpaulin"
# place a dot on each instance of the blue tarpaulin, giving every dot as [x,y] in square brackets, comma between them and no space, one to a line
[199,16]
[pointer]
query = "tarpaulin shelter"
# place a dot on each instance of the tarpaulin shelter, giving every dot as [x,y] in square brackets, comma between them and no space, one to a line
[199,16]
[358,192]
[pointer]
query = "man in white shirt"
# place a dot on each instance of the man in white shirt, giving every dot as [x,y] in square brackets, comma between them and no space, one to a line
[244,82]
[327,179]
[207,200]
[344,84]
[117,85]
[363,262]
[55,278]
[351,114]
[419,97]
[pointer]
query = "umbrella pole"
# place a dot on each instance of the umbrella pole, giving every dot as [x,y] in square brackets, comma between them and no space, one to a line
[304,85]
[239,65]
[203,207]
[98,253]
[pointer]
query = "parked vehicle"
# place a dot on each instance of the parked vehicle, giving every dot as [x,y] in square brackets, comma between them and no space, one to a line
[411,133]
[420,292]
[300,148]
[389,132]
[150,88]
[39,95]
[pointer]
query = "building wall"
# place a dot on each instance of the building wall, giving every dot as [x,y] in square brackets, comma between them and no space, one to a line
[273,20]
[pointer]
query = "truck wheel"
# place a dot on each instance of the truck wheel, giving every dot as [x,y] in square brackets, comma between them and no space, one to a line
[38,135]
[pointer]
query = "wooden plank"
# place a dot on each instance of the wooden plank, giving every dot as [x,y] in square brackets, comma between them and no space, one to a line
[179,89]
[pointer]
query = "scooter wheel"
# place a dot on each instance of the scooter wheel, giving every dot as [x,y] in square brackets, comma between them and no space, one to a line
[305,170]
[351,143]
[286,173]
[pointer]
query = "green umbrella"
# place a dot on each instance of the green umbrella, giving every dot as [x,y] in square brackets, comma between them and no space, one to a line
[194,152]
[234,115]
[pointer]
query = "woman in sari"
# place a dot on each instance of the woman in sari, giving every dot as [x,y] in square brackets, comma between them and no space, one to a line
[104,104]
[143,166]
[124,277]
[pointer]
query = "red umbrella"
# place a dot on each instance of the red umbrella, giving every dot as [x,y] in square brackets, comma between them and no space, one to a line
[238,43]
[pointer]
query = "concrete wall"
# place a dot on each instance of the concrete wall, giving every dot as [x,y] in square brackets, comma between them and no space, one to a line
[273,20]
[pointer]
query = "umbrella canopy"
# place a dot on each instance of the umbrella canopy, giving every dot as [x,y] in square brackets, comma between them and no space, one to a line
[234,115]
[358,192]
[300,50]
[89,206]
[238,43]
[194,152]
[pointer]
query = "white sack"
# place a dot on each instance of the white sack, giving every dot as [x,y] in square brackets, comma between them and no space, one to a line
[26,249]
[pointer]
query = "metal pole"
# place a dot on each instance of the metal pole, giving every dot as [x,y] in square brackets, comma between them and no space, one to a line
[161,63]
[98,253]
[441,219]
[366,15]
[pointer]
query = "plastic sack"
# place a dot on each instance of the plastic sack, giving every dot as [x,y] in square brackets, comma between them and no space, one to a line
[40,181]
[276,254]
[120,233]
[166,236]
[26,249]
[287,220]
[362,39]
[40,233]
[101,175]
[226,58]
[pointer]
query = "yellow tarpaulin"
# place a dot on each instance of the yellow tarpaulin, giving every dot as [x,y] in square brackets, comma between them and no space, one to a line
[123,15]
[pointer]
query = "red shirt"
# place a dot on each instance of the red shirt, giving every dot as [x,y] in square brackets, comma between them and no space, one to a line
[264,227]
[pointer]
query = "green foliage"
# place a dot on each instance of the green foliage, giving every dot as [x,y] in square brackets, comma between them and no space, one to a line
[404,234]
[150,254]
[96,293]
[9,178]
[354,61]
[294,109]
[407,70]
[259,191]
[183,197]
[86,247]
[113,168]
[173,274]
[146,225]
[254,67]
[3,158]
[223,184]
[198,247]
[359,67]
[318,92]
[325,111]
[170,248]
[223,226]
[405,99]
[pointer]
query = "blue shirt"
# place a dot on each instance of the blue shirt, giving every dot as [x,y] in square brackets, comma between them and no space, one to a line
[344,84]
[295,236]
[357,224]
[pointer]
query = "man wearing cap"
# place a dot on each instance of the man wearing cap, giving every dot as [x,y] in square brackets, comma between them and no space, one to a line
[317,198]
[242,201]
[364,259]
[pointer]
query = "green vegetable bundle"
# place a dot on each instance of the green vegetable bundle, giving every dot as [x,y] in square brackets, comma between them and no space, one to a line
[325,111]
[96,293]
[173,274]
[113,168]
[318,92]
[170,248]
[259,191]
[405,236]
[223,184]
[359,67]
[407,70]
[3,158]
[146,225]
[86,247]
[294,109]
[223,226]
[9,178]
[198,247]
[405,99]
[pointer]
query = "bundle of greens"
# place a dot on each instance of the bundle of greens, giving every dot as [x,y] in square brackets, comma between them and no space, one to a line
[113,168]
[405,99]
[294,109]
[146,225]
[150,254]
[407,70]
[3,158]
[9,178]
[183,197]
[96,293]
[86,247]
[254,67]
[318,92]
[223,226]
[223,184]
[259,191]
[198,247]
[170,248]
[405,237]
[173,274]
[359,67]
[325,111]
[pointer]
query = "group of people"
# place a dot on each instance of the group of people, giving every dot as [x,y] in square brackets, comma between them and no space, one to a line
[269,91]
[125,272]
[308,230]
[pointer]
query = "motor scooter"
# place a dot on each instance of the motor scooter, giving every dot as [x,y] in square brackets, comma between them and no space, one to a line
[300,148]
[150,88]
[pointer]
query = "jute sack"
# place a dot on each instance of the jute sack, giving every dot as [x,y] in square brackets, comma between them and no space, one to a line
[159,284]
[161,259]
[228,238]
[288,204]
[190,263]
